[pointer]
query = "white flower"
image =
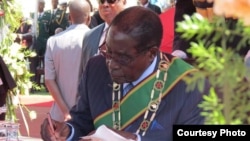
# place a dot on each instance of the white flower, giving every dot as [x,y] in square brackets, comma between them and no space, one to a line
[15,100]
[32,115]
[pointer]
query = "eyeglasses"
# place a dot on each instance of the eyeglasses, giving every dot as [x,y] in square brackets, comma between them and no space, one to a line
[122,60]
[109,1]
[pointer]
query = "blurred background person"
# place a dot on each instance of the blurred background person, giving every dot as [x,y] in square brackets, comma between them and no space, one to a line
[180,45]
[147,4]
[96,36]
[63,5]
[24,33]
[58,18]
[62,60]
[41,36]
[163,4]
[96,19]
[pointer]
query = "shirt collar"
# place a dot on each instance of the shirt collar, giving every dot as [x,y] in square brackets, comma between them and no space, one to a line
[146,5]
[105,27]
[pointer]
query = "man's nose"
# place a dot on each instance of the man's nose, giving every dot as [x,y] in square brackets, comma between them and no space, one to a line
[112,64]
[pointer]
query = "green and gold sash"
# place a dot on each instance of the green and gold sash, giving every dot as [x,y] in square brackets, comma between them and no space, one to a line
[135,103]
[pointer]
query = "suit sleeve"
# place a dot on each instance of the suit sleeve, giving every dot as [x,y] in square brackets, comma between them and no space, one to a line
[81,116]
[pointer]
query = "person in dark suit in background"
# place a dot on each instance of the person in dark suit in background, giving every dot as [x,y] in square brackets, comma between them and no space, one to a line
[132,58]
[180,45]
[40,37]
[96,19]
[95,37]
[147,4]
[63,5]
[24,35]
[95,16]
[58,18]
[42,33]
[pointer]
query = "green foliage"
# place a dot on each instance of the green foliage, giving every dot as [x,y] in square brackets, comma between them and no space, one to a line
[228,99]
[12,14]
[14,55]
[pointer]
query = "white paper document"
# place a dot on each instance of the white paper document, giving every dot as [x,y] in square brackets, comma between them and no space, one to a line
[105,134]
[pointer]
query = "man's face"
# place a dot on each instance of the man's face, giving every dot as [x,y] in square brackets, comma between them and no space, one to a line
[143,1]
[40,6]
[109,10]
[54,3]
[124,62]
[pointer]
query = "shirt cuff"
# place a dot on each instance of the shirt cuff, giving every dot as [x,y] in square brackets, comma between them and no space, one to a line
[71,133]
[138,137]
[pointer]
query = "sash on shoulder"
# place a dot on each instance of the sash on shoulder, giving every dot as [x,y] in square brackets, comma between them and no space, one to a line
[136,102]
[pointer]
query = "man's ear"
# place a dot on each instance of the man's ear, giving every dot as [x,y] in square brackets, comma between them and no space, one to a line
[153,52]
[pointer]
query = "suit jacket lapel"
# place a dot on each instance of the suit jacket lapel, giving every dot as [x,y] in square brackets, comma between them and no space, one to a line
[99,35]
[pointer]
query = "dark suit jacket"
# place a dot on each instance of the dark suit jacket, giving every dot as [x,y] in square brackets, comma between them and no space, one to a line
[155,8]
[95,89]
[8,84]
[91,43]
[59,19]
[95,20]
[26,34]
[42,33]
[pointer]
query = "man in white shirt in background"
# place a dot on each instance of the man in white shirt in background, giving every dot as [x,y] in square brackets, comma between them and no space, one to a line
[62,60]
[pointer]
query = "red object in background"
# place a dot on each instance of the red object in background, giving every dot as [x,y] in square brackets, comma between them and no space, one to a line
[1,13]
[167,19]
[24,43]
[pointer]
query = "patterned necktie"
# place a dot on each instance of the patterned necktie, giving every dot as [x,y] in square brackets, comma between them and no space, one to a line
[127,88]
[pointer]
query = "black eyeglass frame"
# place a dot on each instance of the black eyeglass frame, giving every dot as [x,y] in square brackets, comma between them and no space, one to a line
[120,61]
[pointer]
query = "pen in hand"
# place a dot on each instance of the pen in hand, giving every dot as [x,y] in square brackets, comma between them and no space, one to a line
[50,123]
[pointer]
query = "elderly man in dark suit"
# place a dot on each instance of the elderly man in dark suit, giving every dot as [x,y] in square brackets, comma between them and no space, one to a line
[157,98]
